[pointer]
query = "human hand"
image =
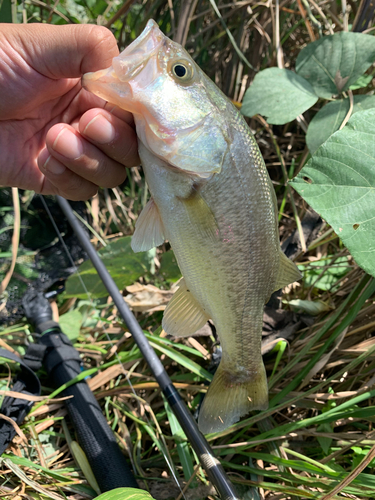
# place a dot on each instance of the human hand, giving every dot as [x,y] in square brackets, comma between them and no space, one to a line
[47,120]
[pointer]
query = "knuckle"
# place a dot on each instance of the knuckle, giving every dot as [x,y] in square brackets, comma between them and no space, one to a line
[78,189]
[115,182]
[105,41]
[110,174]
[103,34]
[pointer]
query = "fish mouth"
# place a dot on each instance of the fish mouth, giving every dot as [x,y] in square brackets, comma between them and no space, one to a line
[136,56]
[105,84]
[113,84]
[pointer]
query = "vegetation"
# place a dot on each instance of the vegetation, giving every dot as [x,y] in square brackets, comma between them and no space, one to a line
[317,439]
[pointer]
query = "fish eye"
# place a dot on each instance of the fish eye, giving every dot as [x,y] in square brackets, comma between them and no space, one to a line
[182,71]
[179,70]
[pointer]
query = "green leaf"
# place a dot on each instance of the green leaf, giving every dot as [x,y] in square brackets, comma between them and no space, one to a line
[125,494]
[325,441]
[362,82]
[5,11]
[70,324]
[335,269]
[312,307]
[359,455]
[169,268]
[339,183]
[333,63]
[330,117]
[123,265]
[278,94]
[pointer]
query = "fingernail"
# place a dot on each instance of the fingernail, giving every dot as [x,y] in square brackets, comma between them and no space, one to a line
[53,166]
[100,130]
[68,144]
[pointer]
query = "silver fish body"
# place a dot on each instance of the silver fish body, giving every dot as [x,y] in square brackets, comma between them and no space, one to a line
[213,200]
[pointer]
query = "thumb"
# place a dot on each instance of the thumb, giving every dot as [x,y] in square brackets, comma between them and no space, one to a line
[64,51]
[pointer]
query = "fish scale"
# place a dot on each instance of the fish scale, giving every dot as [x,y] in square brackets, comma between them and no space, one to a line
[213,200]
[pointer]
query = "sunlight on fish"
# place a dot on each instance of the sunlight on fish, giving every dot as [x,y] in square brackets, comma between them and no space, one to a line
[213,200]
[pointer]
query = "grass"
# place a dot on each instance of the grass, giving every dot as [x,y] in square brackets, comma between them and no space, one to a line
[317,439]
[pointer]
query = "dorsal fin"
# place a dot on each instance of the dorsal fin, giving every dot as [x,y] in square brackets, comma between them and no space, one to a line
[288,272]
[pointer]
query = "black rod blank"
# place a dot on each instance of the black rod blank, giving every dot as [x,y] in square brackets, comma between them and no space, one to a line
[63,363]
[209,462]
[104,455]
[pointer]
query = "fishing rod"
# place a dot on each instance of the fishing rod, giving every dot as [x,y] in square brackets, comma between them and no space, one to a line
[63,363]
[209,462]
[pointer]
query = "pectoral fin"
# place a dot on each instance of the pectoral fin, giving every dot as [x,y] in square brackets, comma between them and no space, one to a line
[288,272]
[149,231]
[200,216]
[183,315]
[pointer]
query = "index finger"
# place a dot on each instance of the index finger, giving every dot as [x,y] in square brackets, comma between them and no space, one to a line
[114,136]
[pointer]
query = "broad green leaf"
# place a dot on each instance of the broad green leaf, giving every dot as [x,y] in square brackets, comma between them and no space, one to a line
[70,324]
[334,269]
[125,494]
[278,94]
[5,11]
[339,183]
[325,441]
[359,455]
[118,247]
[169,268]
[329,119]
[312,307]
[123,265]
[333,63]
[362,82]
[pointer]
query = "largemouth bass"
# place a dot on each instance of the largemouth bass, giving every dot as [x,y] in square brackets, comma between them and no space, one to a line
[213,200]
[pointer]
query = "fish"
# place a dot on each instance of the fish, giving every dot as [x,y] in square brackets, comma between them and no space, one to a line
[213,200]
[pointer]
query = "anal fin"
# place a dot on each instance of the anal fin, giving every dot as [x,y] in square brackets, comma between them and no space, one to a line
[288,272]
[149,230]
[183,315]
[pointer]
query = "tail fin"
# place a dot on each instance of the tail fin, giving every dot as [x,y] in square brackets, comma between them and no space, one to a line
[231,396]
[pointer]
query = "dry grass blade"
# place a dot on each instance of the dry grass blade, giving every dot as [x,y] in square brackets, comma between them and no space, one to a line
[16,427]
[30,397]
[187,11]
[33,484]
[307,22]
[51,10]
[319,366]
